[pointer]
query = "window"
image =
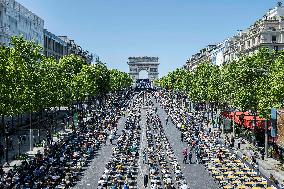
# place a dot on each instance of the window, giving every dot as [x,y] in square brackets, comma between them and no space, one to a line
[274,39]
[153,69]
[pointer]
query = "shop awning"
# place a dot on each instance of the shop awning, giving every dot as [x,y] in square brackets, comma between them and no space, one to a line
[247,119]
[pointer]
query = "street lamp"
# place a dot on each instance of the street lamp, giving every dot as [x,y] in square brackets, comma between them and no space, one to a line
[7,143]
[20,139]
[265,73]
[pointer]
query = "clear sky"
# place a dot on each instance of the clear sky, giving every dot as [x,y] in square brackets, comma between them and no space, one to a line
[173,30]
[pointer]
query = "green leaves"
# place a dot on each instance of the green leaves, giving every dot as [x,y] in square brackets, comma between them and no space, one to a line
[119,80]
[31,82]
[206,83]
[254,82]
[176,80]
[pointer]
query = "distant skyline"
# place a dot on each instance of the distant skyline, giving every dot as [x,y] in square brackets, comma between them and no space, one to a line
[171,30]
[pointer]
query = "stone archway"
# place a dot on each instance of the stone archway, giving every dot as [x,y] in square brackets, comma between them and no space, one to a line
[137,64]
[143,74]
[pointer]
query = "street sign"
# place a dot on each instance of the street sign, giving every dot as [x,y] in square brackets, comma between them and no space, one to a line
[227,124]
[273,122]
[75,117]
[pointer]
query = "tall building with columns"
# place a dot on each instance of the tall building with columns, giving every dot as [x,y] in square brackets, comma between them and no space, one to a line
[16,20]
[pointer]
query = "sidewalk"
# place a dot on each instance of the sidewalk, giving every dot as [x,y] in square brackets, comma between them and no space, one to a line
[25,145]
[35,150]
[266,167]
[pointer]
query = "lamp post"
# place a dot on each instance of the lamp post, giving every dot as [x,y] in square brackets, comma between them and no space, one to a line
[31,136]
[7,143]
[266,140]
[234,125]
[262,72]
[19,146]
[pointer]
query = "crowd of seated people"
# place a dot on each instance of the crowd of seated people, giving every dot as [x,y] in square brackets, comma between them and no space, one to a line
[228,170]
[122,169]
[61,163]
[163,168]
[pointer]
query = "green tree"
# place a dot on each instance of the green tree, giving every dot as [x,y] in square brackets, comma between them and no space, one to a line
[102,79]
[119,80]
[70,66]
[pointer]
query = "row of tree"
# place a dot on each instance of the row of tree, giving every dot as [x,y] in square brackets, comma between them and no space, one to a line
[251,83]
[31,82]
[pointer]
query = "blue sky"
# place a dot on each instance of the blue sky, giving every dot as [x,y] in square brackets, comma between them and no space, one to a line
[173,30]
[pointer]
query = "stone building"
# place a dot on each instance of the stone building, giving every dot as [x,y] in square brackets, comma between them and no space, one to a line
[149,64]
[265,32]
[73,48]
[202,56]
[54,46]
[16,20]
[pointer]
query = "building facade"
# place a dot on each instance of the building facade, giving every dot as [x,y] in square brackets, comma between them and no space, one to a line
[217,54]
[149,64]
[265,32]
[202,56]
[16,20]
[54,46]
[73,48]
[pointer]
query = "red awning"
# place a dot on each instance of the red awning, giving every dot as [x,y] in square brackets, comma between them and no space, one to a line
[248,119]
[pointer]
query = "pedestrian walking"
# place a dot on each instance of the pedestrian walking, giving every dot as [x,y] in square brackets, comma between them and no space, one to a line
[144,156]
[239,143]
[146,178]
[182,127]
[185,154]
[105,138]
[190,157]
[257,168]
[262,153]
[167,120]
[232,141]
[209,130]
[197,154]
[253,159]
[111,138]
[226,140]
[181,136]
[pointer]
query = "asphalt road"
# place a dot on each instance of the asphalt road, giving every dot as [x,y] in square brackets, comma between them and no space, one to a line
[97,166]
[196,175]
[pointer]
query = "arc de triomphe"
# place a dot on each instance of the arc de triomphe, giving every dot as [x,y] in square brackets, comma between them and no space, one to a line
[137,64]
